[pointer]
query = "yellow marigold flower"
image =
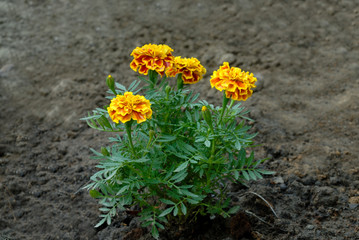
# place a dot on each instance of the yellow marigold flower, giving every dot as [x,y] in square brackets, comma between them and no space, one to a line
[204,108]
[128,106]
[152,57]
[236,83]
[191,69]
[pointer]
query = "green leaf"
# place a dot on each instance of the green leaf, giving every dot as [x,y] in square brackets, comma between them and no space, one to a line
[103,121]
[95,194]
[233,210]
[238,145]
[245,175]
[166,201]
[241,158]
[192,201]
[181,167]
[104,209]
[207,143]
[265,172]
[166,138]
[160,225]
[154,232]
[175,211]
[258,175]
[236,175]
[250,159]
[183,209]
[100,222]
[165,212]
[189,117]
[179,176]
[108,220]
[188,193]
[252,175]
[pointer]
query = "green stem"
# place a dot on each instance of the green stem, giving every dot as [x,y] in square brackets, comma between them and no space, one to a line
[224,104]
[179,82]
[128,131]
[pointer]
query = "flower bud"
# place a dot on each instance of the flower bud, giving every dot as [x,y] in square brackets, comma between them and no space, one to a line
[151,133]
[167,89]
[207,117]
[111,83]
[104,151]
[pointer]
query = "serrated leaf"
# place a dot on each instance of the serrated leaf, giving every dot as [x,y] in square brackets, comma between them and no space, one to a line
[108,220]
[233,210]
[166,138]
[189,117]
[250,159]
[265,172]
[236,175]
[207,143]
[241,158]
[192,201]
[238,145]
[252,175]
[154,232]
[160,225]
[165,212]
[104,209]
[175,211]
[179,176]
[100,222]
[183,209]
[181,167]
[258,175]
[166,201]
[188,193]
[245,175]
[95,194]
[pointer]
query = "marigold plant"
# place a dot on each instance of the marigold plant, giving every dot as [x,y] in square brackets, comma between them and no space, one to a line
[152,57]
[236,83]
[190,70]
[126,107]
[175,156]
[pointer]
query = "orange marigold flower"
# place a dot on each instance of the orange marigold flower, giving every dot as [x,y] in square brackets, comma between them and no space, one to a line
[191,69]
[128,106]
[152,57]
[236,83]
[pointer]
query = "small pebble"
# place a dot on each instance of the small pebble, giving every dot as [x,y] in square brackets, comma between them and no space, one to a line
[310,227]
[283,187]
[353,205]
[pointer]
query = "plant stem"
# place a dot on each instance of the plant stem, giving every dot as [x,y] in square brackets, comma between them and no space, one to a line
[128,131]
[224,104]
[179,82]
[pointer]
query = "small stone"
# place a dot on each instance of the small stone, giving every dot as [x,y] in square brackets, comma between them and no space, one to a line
[228,57]
[354,200]
[310,227]
[283,187]
[353,206]
[325,196]
[278,180]
[37,193]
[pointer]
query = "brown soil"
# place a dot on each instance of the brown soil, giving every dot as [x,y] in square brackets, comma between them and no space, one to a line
[55,56]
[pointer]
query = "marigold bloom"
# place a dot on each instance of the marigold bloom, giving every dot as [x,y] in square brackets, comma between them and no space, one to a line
[152,57]
[191,69]
[236,83]
[128,106]
[204,108]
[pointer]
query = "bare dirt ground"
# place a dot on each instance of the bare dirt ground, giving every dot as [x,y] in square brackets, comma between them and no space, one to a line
[55,56]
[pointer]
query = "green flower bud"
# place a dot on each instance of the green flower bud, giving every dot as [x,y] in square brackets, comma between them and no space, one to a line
[207,117]
[104,151]
[111,84]
[167,89]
